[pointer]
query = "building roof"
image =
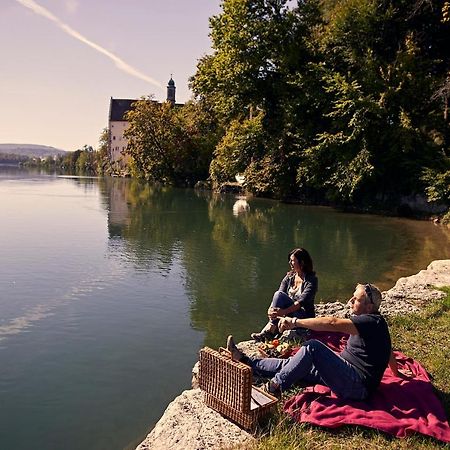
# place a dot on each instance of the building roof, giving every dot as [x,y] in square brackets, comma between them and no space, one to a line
[118,107]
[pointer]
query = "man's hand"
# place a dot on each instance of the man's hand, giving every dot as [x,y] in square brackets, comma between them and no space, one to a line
[286,323]
[405,373]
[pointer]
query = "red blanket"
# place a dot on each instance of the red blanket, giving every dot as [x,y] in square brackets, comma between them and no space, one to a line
[399,406]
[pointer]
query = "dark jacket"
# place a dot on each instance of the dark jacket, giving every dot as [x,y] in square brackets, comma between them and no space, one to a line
[305,295]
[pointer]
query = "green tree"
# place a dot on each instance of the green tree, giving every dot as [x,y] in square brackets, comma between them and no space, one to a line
[243,73]
[170,144]
[345,99]
[103,161]
[438,185]
[86,160]
[242,143]
[384,60]
[262,67]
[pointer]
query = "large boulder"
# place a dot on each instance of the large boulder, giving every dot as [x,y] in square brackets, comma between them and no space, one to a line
[411,293]
[187,424]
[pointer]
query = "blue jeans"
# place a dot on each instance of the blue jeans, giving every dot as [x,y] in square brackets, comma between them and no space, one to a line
[282,300]
[314,363]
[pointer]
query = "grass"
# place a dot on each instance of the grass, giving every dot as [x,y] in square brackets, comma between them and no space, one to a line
[424,337]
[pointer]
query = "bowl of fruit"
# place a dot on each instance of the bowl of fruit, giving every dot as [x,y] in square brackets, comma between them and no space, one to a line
[275,349]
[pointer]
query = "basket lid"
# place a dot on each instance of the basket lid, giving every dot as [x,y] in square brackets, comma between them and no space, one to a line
[226,380]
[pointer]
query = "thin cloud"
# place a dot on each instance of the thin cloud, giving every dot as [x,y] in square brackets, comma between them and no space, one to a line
[120,63]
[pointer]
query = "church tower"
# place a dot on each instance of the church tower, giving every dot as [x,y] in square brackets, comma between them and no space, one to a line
[171,91]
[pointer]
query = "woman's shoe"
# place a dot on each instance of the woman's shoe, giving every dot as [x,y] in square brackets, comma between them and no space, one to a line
[266,334]
[262,336]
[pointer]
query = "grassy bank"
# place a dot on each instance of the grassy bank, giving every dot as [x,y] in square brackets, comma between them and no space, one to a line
[425,337]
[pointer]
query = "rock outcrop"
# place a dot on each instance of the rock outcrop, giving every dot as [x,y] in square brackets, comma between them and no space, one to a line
[413,292]
[187,424]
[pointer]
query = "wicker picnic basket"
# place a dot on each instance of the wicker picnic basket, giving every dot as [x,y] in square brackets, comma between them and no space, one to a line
[228,389]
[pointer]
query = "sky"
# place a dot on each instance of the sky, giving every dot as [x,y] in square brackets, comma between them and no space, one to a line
[62,60]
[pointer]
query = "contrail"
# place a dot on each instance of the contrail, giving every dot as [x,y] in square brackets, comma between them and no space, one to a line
[120,63]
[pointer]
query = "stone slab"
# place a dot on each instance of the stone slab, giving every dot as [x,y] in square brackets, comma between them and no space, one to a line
[187,424]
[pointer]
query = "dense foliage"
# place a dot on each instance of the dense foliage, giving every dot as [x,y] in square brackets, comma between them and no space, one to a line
[170,144]
[339,100]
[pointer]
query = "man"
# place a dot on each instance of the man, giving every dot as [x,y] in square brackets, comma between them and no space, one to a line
[355,373]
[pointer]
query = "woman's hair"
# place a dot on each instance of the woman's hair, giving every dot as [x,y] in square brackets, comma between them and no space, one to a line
[303,258]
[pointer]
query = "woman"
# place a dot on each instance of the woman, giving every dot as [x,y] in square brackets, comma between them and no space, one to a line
[295,296]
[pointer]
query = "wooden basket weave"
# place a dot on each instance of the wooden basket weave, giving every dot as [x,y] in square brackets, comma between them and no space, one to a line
[228,389]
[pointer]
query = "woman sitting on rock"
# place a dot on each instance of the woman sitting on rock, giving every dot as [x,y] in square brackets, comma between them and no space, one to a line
[295,296]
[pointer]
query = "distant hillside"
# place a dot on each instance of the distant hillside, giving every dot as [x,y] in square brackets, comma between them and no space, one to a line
[30,150]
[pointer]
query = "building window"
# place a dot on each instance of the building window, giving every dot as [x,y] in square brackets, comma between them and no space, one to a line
[114,138]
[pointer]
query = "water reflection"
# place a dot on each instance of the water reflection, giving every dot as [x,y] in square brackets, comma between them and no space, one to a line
[234,250]
[240,206]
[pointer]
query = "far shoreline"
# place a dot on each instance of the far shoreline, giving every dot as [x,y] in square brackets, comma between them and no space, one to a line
[409,209]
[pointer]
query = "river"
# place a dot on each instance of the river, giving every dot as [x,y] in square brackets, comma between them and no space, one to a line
[109,287]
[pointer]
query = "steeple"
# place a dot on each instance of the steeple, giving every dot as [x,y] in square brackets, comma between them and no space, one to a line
[171,90]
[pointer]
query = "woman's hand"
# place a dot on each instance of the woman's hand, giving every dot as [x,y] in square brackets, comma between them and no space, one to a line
[274,313]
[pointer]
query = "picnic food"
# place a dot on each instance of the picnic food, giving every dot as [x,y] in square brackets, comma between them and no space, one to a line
[275,349]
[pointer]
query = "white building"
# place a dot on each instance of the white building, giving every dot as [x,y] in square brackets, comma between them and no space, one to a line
[117,124]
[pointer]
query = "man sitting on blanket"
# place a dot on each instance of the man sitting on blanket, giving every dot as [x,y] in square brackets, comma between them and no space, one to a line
[355,373]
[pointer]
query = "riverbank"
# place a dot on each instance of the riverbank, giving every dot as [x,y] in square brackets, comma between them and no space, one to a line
[412,207]
[187,424]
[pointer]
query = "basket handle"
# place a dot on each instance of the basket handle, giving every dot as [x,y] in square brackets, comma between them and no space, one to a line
[224,351]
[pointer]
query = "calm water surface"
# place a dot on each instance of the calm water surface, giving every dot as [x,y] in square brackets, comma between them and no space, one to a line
[108,289]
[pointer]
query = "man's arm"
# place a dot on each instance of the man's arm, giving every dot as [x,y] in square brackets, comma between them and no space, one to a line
[319,324]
